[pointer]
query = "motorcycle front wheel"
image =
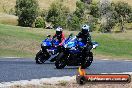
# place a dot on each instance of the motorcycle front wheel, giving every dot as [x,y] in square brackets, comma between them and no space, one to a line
[60,62]
[41,57]
[88,60]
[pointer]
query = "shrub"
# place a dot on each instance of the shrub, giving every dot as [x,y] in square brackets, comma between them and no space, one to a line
[124,11]
[92,21]
[86,1]
[129,19]
[94,10]
[27,11]
[40,23]
[57,15]
[43,13]
[80,8]
[74,23]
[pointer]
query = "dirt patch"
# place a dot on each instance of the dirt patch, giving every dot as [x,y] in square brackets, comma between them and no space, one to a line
[74,85]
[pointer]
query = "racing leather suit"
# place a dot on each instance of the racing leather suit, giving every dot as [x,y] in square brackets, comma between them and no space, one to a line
[60,38]
[86,39]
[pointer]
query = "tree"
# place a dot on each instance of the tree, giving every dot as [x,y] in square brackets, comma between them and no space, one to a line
[129,19]
[92,22]
[123,11]
[76,19]
[94,10]
[27,11]
[58,15]
[74,23]
[80,9]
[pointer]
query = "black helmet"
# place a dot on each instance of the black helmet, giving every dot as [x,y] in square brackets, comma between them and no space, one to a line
[85,29]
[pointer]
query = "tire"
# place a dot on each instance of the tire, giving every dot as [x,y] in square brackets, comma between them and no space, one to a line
[88,60]
[60,62]
[81,80]
[41,57]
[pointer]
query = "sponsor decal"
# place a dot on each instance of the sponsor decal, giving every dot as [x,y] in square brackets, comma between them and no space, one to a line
[82,77]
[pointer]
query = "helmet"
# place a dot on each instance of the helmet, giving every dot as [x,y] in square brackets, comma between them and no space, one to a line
[59,30]
[85,29]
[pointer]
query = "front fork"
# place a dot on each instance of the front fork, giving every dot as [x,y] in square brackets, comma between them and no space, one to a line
[44,51]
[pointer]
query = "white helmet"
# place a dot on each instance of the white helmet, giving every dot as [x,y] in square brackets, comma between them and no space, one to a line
[59,29]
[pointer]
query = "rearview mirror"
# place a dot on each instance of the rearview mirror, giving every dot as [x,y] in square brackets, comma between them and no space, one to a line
[48,35]
[79,39]
[95,44]
[71,35]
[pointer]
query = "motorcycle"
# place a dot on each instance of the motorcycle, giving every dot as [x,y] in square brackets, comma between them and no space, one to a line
[48,50]
[74,53]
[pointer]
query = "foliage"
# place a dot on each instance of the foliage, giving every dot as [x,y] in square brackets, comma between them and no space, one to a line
[86,1]
[80,8]
[113,13]
[94,10]
[92,22]
[78,17]
[43,13]
[111,20]
[57,15]
[40,23]
[108,26]
[74,23]
[26,10]
[106,15]
[124,12]
[129,19]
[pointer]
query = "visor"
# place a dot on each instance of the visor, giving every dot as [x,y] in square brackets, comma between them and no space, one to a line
[84,31]
[58,32]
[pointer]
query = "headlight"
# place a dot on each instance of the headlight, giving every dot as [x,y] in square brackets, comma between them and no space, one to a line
[69,45]
[73,48]
[43,44]
[65,45]
[95,45]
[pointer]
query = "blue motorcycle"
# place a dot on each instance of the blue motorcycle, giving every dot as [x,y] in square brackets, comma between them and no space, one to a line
[74,53]
[48,50]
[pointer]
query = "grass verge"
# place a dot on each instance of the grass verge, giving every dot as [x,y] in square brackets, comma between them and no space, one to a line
[20,41]
[25,42]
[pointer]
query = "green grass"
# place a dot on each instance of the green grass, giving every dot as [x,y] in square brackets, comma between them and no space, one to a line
[25,42]
[114,45]
[20,41]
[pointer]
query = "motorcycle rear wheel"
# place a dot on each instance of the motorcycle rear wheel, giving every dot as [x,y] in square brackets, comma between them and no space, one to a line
[41,57]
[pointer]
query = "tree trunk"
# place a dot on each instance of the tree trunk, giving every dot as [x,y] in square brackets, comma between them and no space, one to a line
[122,25]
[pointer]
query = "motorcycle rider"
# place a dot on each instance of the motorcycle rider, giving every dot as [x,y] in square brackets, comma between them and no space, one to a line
[85,37]
[59,35]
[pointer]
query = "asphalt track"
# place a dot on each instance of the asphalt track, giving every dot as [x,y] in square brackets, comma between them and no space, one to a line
[16,69]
